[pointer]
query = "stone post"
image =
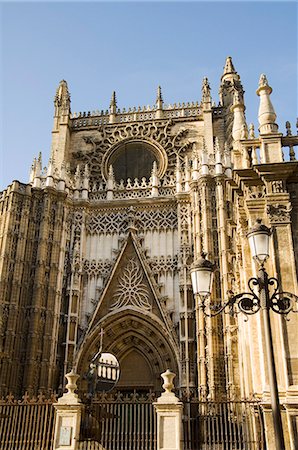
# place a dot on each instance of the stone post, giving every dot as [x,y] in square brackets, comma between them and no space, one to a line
[68,416]
[169,416]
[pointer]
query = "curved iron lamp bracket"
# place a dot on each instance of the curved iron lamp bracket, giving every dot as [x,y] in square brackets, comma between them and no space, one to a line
[249,303]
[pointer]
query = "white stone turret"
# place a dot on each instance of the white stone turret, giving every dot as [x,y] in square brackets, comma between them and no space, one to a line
[239,130]
[271,148]
[266,114]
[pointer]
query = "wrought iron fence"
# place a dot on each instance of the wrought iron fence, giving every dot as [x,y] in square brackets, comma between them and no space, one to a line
[27,424]
[229,425]
[119,422]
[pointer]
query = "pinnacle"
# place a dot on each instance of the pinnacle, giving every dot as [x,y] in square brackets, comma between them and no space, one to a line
[159,95]
[229,66]
[113,99]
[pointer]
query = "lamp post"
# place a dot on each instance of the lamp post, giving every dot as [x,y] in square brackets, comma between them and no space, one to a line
[264,294]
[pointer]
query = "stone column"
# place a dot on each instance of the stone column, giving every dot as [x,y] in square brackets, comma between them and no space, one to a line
[169,416]
[68,416]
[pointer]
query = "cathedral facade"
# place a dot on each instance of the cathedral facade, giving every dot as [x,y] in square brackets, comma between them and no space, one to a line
[101,243]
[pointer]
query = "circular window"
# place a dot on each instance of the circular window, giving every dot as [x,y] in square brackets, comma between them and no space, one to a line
[134,159]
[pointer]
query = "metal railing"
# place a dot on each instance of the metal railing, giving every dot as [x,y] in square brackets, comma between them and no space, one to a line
[227,425]
[119,422]
[27,424]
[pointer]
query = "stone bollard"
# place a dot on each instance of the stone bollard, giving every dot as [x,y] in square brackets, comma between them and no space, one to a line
[68,416]
[169,416]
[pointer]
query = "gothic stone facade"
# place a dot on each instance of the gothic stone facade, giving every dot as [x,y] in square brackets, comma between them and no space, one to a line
[104,237]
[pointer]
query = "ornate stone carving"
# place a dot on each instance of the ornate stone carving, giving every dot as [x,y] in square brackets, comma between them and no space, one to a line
[278,186]
[131,290]
[116,222]
[163,264]
[157,133]
[95,268]
[279,213]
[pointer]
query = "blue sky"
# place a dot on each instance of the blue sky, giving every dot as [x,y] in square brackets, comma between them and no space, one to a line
[132,47]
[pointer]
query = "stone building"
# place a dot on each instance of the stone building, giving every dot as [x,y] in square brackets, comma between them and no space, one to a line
[103,238]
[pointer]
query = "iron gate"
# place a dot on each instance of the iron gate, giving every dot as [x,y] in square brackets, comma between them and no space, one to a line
[228,425]
[119,422]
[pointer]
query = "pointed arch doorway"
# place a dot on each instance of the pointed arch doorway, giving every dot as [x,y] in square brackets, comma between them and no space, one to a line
[141,343]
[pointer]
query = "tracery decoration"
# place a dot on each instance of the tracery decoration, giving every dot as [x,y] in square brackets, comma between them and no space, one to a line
[131,290]
[116,222]
[157,133]
[163,264]
[98,267]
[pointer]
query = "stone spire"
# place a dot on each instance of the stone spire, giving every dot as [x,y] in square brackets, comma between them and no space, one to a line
[266,114]
[239,130]
[62,99]
[159,99]
[229,67]
[159,103]
[113,103]
[230,82]
[113,108]
[32,171]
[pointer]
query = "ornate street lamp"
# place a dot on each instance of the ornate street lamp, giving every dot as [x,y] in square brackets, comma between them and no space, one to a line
[264,294]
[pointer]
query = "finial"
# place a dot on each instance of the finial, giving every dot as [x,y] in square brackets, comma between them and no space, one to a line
[86,171]
[113,100]
[229,66]
[62,99]
[159,94]
[288,128]
[154,168]
[113,108]
[159,103]
[263,80]
[266,115]
[251,133]
[111,172]
[206,97]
